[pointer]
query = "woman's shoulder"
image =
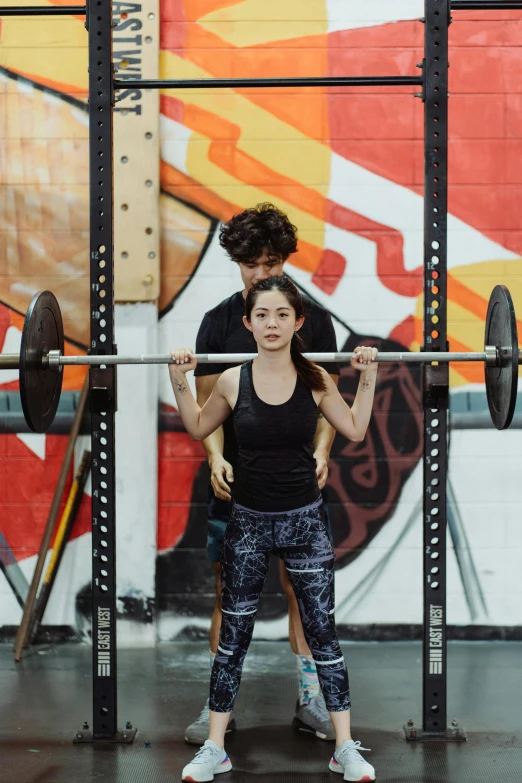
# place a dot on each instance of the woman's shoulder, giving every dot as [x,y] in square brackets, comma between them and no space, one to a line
[230,378]
[228,385]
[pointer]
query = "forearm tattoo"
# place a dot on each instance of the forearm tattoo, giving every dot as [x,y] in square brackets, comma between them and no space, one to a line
[366,383]
[181,387]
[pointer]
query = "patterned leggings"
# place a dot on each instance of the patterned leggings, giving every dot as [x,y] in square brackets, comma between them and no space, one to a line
[300,537]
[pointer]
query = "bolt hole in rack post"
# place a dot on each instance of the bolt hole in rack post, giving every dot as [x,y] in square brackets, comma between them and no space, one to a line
[41,359]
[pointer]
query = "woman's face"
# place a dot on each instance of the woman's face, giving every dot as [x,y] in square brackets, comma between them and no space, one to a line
[273,321]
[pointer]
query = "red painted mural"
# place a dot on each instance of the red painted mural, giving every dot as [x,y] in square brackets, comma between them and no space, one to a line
[347,166]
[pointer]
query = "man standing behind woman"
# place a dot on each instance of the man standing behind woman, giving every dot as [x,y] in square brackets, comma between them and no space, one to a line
[259,241]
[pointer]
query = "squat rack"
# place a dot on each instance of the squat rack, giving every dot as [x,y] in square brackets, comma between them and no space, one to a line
[433,82]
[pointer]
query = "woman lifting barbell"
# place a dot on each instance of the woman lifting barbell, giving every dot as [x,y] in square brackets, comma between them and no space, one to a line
[275,400]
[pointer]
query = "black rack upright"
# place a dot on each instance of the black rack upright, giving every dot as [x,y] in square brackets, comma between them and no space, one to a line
[102,379]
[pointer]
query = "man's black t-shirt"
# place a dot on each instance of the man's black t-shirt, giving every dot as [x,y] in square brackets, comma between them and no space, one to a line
[223,331]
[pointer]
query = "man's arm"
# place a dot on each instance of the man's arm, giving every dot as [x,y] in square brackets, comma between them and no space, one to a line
[324,438]
[221,472]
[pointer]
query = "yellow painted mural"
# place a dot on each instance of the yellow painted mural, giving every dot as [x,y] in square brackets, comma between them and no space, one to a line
[346,164]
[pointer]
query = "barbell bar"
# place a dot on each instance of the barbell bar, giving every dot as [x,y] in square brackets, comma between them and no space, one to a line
[55,359]
[41,359]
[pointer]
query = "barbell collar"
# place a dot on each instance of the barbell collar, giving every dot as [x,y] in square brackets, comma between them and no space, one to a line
[492,358]
[54,360]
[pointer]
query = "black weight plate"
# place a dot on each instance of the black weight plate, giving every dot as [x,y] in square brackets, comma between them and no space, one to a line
[502,381]
[40,388]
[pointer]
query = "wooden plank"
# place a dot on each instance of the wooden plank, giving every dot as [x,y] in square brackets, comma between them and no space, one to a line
[136,157]
[22,635]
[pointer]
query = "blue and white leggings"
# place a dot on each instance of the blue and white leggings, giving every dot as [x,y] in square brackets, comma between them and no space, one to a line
[301,539]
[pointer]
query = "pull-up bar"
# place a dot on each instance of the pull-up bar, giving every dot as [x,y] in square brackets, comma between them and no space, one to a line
[312,81]
[43,10]
[485,5]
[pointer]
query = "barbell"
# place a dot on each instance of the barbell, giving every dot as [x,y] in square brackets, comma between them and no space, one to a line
[41,359]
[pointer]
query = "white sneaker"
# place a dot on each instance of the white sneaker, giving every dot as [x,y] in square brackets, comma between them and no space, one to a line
[348,761]
[210,760]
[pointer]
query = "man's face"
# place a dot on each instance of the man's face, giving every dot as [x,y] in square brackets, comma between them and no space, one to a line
[267,265]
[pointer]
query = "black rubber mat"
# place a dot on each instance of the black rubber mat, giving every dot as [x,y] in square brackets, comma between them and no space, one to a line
[268,755]
[46,698]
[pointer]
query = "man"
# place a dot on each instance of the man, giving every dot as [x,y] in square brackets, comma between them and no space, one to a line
[259,241]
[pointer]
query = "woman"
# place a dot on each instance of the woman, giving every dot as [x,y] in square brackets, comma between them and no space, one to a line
[275,401]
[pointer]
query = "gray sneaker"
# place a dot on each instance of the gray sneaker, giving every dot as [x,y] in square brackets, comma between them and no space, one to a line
[314,718]
[197,732]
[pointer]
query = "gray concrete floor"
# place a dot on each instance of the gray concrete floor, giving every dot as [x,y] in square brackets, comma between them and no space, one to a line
[46,698]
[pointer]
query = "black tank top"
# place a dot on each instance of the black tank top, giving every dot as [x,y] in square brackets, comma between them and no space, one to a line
[276,465]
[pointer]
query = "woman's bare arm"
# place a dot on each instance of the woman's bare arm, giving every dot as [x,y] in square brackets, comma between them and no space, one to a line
[199,422]
[352,422]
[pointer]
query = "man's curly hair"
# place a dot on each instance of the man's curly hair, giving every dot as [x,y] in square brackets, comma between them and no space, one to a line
[248,234]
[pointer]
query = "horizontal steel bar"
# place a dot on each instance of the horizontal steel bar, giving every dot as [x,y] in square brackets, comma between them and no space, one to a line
[485,5]
[239,358]
[313,81]
[9,361]
[43,10]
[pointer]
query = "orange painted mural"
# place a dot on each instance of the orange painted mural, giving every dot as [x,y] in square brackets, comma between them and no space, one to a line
[347,166]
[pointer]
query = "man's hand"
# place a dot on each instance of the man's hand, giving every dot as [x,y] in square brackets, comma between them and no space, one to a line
[221,476]
[321,468]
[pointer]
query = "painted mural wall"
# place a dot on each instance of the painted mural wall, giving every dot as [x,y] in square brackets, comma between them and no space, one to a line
[347,166]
